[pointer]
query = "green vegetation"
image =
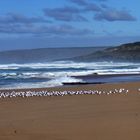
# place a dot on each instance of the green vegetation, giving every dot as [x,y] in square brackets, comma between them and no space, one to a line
[126,53]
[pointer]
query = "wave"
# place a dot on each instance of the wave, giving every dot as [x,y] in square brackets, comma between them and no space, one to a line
[58,72]
[26,71]
[51,83]
[49,75]
[67,64]
[53,74]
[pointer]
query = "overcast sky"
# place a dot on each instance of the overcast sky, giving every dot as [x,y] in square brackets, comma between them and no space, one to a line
[68,23]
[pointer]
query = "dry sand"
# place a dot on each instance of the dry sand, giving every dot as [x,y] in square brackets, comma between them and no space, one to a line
[78,117]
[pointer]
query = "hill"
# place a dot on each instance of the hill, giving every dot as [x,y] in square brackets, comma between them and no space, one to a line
[127,53]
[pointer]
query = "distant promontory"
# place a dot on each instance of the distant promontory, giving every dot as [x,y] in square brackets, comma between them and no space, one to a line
[126,53]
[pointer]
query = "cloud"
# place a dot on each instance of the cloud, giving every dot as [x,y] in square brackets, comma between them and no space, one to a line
[104,6]
[68,30]
[93,7]
[114,15]
[80,2]
[102,12]
[85,2]
[89,6]
[101,0]
[18,18]
[66,13]
[15,24]
[43,30]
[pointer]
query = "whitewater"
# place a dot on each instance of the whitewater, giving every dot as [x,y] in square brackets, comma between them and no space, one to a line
[51,74]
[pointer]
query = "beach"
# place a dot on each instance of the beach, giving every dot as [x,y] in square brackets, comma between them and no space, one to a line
[76,117]
[69,70]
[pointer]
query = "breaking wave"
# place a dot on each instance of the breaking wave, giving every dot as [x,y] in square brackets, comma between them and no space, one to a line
[57,73]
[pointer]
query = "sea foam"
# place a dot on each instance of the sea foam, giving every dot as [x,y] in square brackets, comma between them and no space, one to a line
[56,73]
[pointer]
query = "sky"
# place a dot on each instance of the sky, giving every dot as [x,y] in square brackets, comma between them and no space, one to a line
[26,24]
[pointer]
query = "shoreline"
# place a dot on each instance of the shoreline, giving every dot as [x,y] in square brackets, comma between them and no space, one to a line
[94,78]
[99,89]
[110,78]
[136,83]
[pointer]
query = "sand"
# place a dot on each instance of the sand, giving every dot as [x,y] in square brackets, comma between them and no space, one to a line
[77,117]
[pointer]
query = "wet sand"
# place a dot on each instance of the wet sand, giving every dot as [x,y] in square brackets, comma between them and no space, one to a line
[77,117]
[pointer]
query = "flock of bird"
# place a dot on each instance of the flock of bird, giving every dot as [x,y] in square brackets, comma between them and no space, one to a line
[30,93]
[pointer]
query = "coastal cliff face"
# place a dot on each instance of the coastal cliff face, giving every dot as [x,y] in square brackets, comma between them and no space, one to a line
[127,53]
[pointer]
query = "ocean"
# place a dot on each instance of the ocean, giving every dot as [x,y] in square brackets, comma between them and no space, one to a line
[57,72]
[36,75]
